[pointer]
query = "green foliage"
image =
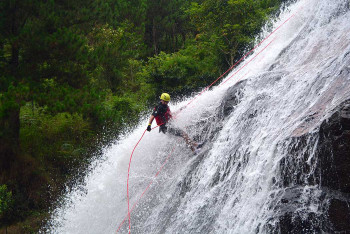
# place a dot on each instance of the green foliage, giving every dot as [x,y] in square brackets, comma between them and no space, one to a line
[233,24]
[183,71]
[5,199]
[165,26]
[58,140]
[112,49]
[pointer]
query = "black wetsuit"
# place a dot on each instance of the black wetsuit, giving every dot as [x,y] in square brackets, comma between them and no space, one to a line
[162,115]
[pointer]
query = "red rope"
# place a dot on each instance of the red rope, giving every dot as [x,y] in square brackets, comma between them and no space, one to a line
[127,186]
[149,185]
[129,211]
[247,62]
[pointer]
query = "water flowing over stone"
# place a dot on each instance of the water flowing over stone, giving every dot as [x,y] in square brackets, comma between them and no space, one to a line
[277,153]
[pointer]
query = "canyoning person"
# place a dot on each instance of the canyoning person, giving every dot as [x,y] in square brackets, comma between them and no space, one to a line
[163,115]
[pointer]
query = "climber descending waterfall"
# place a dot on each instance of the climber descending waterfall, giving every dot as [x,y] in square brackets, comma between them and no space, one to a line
[276,158]
[162,115]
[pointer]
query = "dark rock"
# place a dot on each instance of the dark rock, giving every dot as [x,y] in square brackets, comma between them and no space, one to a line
[328,171]
[334,150]
[291,218]
[339,215]
[296,167]
[233,96]
[205,129]
[290,224]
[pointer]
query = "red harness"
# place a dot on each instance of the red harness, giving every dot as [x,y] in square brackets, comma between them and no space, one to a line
[160,118]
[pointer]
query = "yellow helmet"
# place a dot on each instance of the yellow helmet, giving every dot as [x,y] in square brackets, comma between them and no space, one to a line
[165,97]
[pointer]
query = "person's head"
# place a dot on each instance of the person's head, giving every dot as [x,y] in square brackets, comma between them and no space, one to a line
[164,98]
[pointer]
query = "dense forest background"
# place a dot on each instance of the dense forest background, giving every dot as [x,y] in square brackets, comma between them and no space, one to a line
[73,74]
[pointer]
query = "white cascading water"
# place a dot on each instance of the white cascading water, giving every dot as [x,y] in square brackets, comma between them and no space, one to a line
[233,185]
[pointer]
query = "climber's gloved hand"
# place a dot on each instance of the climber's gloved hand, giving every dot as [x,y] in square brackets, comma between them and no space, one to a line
[149,128]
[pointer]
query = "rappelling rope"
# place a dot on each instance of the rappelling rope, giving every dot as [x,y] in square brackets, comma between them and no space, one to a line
[127,187]
[205,89]
[149,185]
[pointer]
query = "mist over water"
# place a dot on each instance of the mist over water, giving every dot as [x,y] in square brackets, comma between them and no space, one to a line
[235,184]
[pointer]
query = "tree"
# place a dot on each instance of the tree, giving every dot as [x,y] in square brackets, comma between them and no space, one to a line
[41,48]
[6,202]
[232,24]
[165,28]
[183,71]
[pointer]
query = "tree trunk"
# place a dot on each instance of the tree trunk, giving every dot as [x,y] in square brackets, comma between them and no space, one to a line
[9,137]
[232,59]
[9,120]
[154,35]
[14,62]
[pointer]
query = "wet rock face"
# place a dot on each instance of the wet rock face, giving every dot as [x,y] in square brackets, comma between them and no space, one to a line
[334,155]
[233,96]
[291,216]
[334,150]
[330,173]
[339,215]
[316,161]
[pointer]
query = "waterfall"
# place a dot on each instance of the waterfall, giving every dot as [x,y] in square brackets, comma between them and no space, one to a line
[261,169]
